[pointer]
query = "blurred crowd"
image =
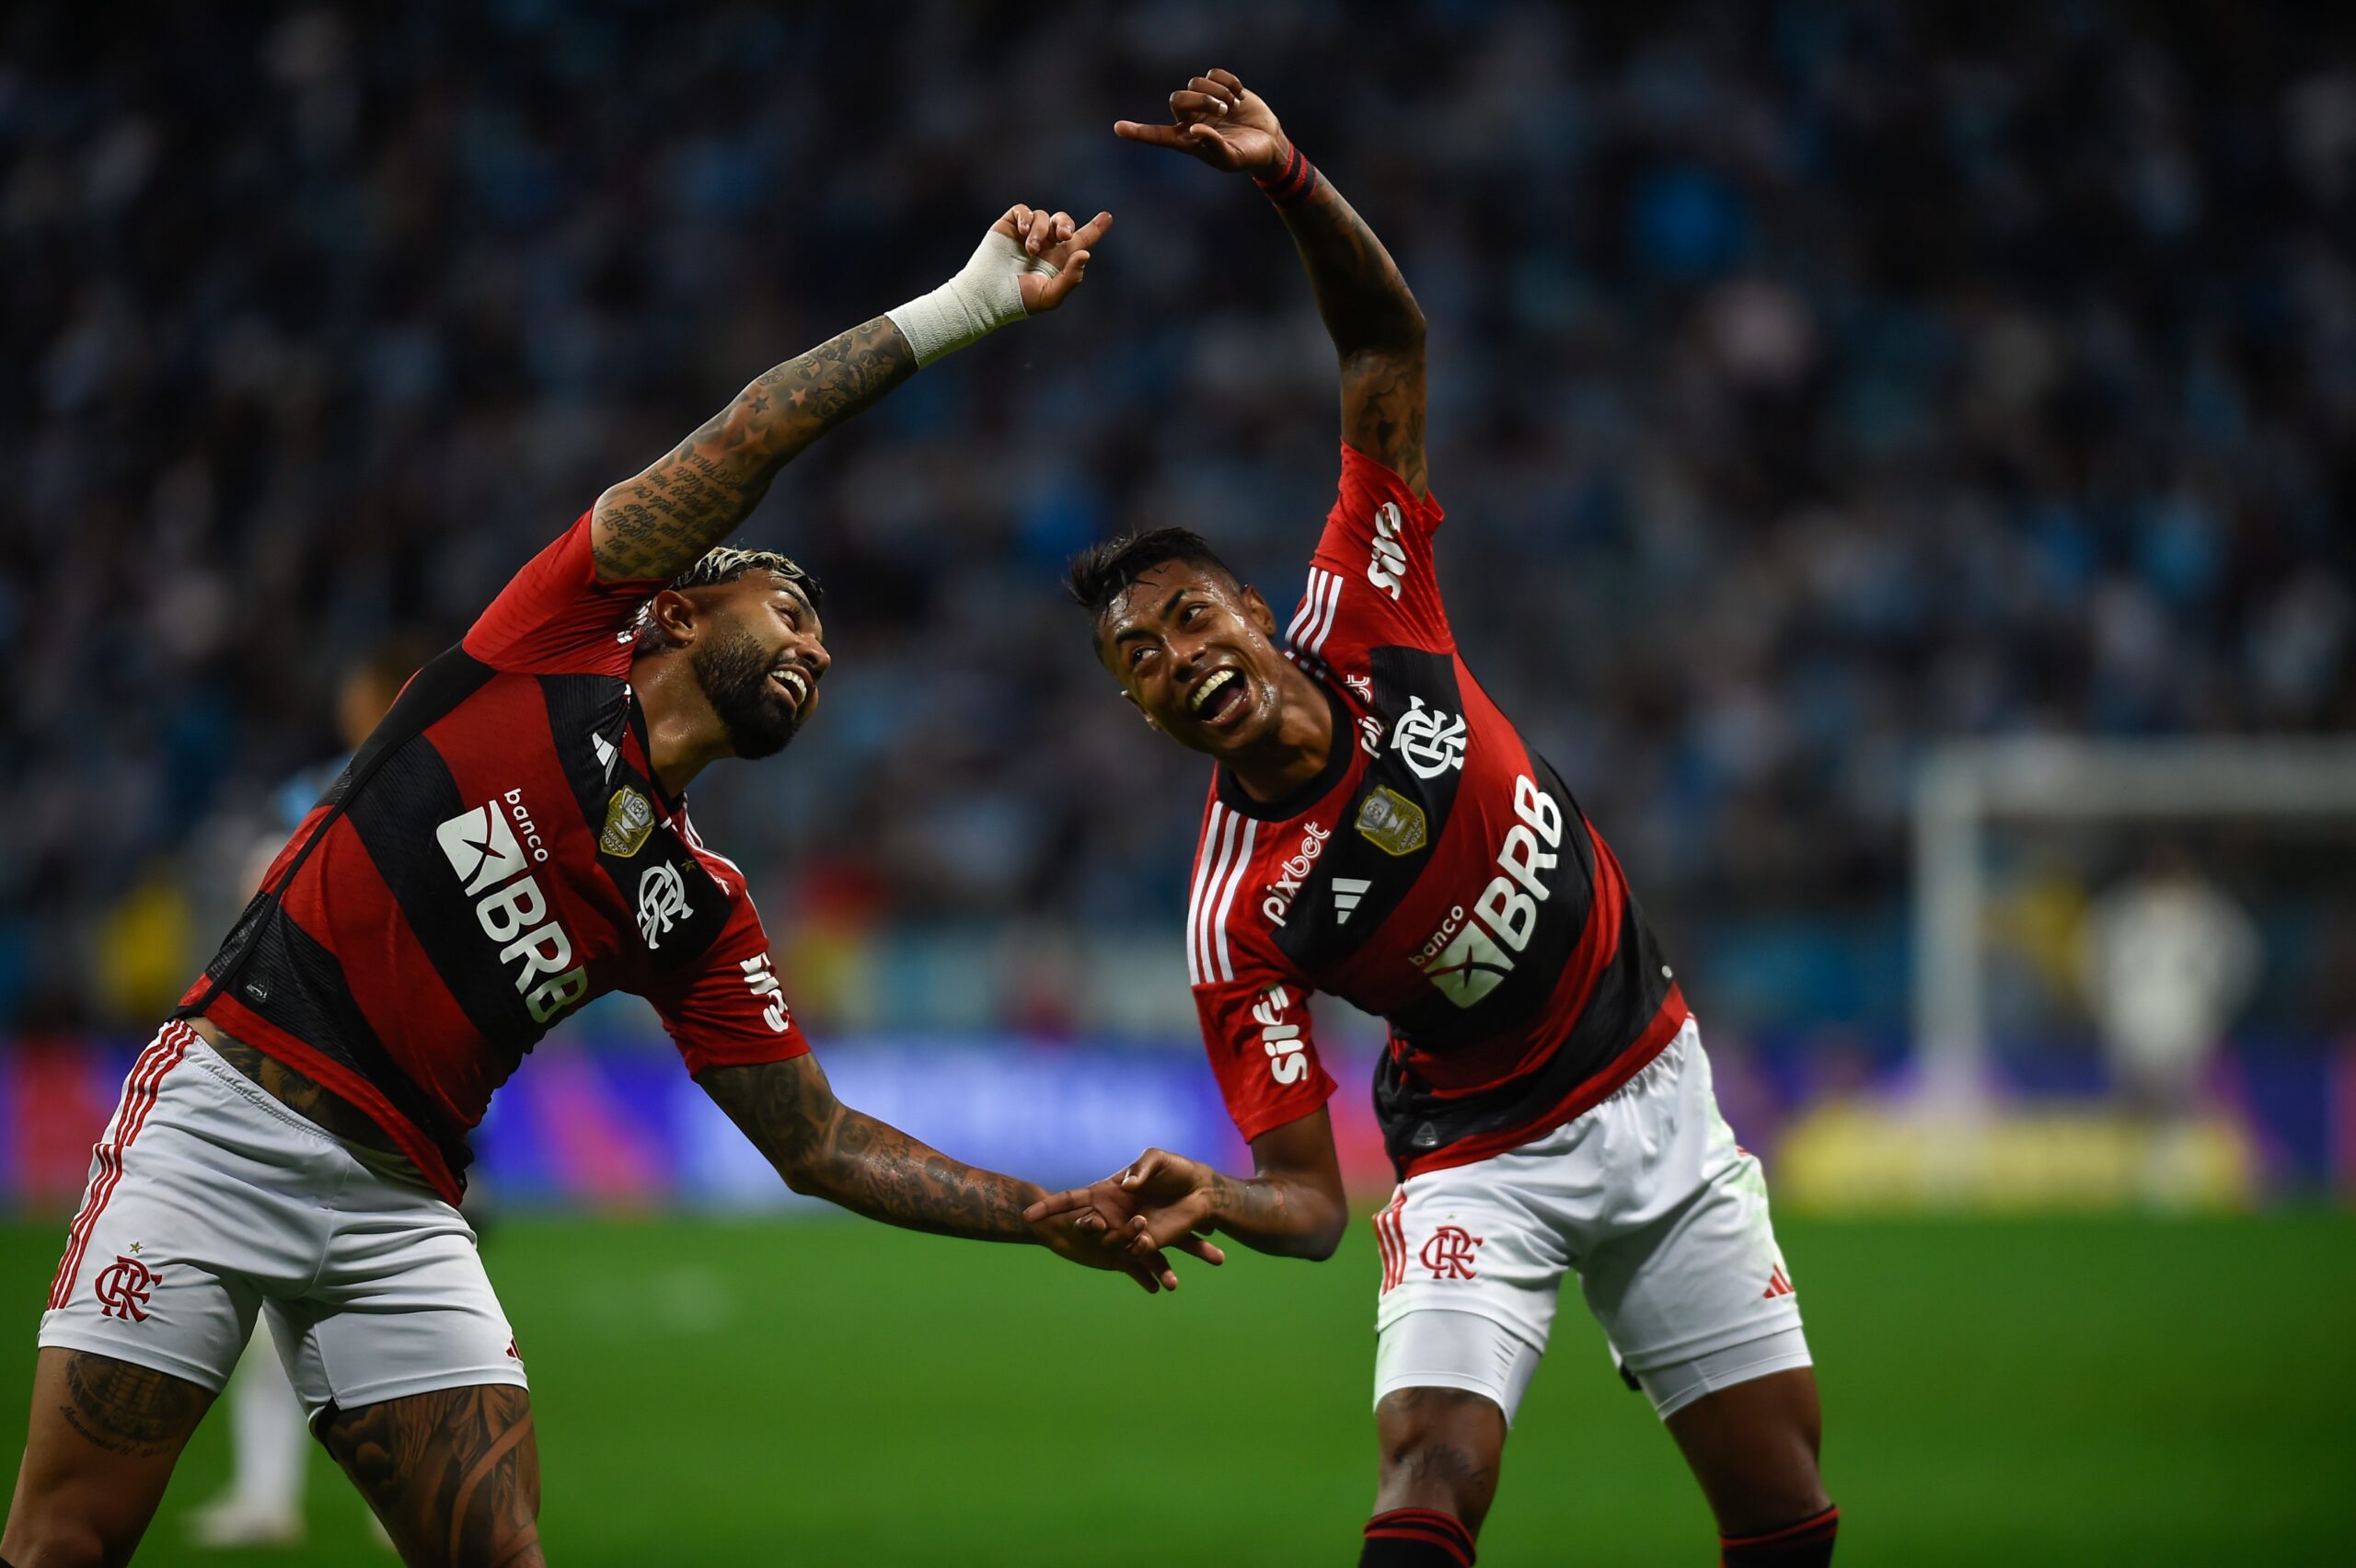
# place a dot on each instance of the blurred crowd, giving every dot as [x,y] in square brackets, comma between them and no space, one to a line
[1809,382]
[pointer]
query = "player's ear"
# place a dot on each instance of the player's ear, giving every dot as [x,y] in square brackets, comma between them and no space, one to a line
[674,615]
[1131,698]
[1258,608]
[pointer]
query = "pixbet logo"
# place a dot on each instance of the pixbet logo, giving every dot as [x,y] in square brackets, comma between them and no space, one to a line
[1287,1058]
[122,1288]
[1450,1254]
[1470,953]
[490,860]
[1290,875]
[1389,562]
[760,978]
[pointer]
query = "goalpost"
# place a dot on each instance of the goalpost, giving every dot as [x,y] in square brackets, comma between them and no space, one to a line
[1966,786]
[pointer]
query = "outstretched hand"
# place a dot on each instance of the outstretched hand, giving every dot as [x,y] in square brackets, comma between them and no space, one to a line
[1216,118]
[1051,238]
[1085,1234]
[1159,1200]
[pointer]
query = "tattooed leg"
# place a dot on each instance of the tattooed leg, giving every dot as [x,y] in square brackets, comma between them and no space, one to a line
[103,1439]
[455,1474]
[1441,1450]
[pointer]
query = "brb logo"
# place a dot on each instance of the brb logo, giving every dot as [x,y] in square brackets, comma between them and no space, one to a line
[1471,954]
[123,1287]
[1389,562]
[1287,1060]
[1290,875]
[1449,1252]
[661,902]
[1429,740]
[493,865]
[760,978]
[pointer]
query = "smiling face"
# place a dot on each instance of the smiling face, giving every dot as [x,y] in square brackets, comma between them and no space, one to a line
[1196,652]
[759,658]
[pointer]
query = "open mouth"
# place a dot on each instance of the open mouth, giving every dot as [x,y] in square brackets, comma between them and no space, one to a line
[1220,700]
[795,686]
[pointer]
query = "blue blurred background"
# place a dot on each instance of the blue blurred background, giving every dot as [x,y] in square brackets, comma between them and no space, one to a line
[1813,386]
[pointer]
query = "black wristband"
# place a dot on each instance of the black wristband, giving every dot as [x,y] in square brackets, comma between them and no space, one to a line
[1293,186]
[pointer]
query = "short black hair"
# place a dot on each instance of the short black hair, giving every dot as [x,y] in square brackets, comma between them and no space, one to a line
[716,568]
[1102,572]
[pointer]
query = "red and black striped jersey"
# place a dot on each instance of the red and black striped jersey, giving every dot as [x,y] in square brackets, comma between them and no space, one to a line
[1436,874]
[496,854]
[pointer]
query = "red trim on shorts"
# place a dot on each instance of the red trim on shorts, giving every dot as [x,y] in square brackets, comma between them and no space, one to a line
[1392,1239]
[140,1088]
[1581,1100]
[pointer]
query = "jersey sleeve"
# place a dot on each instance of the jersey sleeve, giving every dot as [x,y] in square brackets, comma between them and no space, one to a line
[1371,582]
[729,1012]
[555,619]
[1256,1028]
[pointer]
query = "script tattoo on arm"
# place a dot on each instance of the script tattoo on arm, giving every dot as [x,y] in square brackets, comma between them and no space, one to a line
[1377,328]
[655,524]
[824,1148]
[128,1410]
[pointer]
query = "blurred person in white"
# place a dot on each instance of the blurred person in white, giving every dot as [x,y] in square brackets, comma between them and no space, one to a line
[2166,962]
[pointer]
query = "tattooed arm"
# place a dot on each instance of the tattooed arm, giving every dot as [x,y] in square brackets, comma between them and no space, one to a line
[825,1150]
[653,526]
[1292,1206]
[1377,328]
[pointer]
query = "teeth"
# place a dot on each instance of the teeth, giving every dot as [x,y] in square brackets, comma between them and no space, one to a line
[1208,689]
[791,680]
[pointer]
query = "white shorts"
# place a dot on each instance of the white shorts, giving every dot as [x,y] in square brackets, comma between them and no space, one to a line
[1646,1197]
[210,1202]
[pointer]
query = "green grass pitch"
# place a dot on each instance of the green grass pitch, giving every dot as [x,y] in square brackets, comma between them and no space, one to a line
[813,1390]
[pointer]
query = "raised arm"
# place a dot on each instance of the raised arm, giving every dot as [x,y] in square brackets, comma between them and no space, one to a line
[1377,328]
[825,1150]
[654,524]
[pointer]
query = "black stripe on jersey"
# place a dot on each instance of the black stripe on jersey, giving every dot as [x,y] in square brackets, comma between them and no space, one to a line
[289,979]
[446,680]
[412,789]
[579,707]
[1315,934]
[1434,1022]
[1627,996]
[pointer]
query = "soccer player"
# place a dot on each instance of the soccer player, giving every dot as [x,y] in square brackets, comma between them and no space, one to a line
[510,842]
[1377,829]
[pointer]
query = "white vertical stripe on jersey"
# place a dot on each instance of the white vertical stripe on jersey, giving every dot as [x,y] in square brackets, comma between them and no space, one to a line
[1212,909]
[1194,902]
[1242,864]
[1307,607]
[1326,622]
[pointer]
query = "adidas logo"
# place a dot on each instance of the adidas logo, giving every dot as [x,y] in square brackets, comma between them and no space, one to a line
[1348,890]
[1780,1283]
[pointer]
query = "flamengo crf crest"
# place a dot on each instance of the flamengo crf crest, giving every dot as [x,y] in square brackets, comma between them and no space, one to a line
[122,1288]
[661,902]
[1427,740]
[1392,822]
[630,818]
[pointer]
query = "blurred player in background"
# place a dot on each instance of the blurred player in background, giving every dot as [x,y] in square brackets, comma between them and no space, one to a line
[269,1450]
[2167,961]
[1377,829]
[510,842]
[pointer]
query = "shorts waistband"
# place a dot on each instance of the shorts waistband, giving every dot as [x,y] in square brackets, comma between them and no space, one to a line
[200,1054]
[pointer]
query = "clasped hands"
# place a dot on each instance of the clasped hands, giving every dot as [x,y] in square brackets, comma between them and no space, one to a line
[1126,1221]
